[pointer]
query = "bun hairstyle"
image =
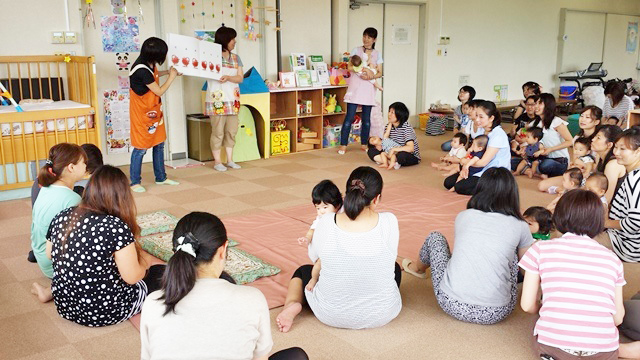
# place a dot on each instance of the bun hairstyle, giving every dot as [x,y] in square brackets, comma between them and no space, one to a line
[497,192]
[196,239]
[364,185]
[490,109]
[611,133]
[60,156]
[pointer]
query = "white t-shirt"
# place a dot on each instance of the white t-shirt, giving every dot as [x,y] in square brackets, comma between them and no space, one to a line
[459,152]
[356,288]
[551,137]
[469,130]
[216,320]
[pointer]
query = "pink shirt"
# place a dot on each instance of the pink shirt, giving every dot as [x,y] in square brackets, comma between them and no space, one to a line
[360,91]
[578,278]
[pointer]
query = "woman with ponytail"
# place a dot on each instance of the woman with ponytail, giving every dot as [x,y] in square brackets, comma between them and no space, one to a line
[98,267]
[359,279]
[200,313]
[65,166]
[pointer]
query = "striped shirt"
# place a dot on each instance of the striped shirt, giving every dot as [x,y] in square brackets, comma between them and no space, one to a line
[625,207]
[621,111]
[578,277]
[403,134]
[356,288]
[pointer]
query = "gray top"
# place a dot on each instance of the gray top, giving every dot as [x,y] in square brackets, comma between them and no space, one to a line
[486,245]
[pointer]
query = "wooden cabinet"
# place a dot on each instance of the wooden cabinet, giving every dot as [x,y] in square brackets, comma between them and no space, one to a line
[284,111]
[633,118]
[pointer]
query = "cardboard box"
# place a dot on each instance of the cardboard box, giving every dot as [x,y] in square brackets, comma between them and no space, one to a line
[281,142]
[308,134]
[304,146]
[311,141]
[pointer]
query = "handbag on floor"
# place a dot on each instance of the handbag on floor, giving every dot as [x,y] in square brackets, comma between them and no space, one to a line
[436,125]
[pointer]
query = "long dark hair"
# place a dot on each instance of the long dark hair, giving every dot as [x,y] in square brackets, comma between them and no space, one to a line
[372,33]
[497,192]
[154,51]
[596,114]
[224,35]
[206,234]
[549,113]
[616,90]
[60,156]
[364,185]
[490,109]
[108,193]
[611,133]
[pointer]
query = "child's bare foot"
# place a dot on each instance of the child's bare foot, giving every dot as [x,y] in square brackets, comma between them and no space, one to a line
[312,283]
[435,165]
[530,174]
[383,165]
[286,316]
[544,176]
[391,165]
[43,294]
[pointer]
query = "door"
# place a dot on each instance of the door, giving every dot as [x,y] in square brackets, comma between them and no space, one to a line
[401,28]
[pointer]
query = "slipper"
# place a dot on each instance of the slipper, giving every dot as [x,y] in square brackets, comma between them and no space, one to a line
[341,152]
[405,265]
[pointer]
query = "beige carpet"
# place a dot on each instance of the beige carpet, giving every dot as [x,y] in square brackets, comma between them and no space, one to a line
[31,330]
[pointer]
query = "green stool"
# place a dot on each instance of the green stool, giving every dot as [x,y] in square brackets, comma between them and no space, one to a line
[574,125]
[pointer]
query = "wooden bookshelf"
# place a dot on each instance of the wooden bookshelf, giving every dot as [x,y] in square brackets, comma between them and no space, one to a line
[633,119]
[284,106]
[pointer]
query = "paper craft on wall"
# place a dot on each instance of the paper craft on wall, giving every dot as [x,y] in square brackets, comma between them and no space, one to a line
[206,35]
[116,115]
[118,35]
[122,61]
[249,28]
[123,82]
[193,57]
[632,37]
[118,6]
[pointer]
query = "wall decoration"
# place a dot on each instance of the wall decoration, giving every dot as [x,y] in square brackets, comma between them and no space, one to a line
[193,9]
[206,35]
[118,35]
[119,7]
[249,29]
[116,115]
[88,15]
[193,57]
[122,61]
[632,37]
[123,82]
[183,20]
[140,12]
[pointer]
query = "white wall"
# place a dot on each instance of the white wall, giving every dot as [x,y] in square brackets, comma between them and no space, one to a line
[306,28]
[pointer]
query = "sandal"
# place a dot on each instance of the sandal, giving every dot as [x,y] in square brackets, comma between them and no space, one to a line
[405,265]
[341,152]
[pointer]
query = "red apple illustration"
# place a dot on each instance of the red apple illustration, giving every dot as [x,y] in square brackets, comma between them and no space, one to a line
[204,65]
[218,67]
[195,63]
[185,61]
[175,60]
[211,66]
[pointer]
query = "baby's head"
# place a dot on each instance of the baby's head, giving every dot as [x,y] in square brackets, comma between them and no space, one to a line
[326,197]
[459,140]
[534,135]
[466,109]
[539,220]
[479,143]
[572,178]
[375,141]
[581,147]
[356,60]
[597,183]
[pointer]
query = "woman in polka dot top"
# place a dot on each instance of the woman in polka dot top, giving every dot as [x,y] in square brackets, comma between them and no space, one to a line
[98,268]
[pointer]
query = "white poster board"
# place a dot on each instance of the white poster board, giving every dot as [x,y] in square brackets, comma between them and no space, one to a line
[193,57]
[401,34]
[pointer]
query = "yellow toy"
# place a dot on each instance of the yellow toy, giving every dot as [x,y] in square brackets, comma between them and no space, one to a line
[331,106]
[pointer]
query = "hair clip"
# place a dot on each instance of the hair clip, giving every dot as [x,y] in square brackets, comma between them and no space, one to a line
[48,162]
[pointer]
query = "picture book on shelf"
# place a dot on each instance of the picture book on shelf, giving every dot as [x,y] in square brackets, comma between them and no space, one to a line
[314,77]
[298,61]
[287,79]
[317,62]
[303,78]
[193,57]
[323,78]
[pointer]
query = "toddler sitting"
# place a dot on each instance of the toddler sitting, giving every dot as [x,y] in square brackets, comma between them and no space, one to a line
[571,179]
[531,154]
[476,151]
[451,161]
[540,222]
[327,199]
[582,158]
[598,184]
[361,66]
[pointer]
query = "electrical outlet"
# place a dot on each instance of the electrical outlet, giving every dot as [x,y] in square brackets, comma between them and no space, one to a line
[70,37]
[445,51]
[444,40]
[439,52]
[57,37]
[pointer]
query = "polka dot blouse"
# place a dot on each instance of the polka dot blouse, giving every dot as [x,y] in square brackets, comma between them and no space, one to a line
[87,287]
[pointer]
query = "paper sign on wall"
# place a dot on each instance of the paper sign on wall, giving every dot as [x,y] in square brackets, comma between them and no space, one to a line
[401,34]
[116,115]
[193,57]
[632,37]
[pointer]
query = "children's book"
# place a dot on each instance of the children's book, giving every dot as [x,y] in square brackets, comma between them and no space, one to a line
[323,78]
[287,79]
[303,78]
[317,62]
[193,57]
[298,61]
[314,77]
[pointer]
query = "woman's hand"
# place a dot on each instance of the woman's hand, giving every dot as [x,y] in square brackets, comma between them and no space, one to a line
[464,173]
[224,79]
[173,72]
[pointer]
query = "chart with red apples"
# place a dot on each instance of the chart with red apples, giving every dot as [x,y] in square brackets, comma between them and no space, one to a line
[193,57]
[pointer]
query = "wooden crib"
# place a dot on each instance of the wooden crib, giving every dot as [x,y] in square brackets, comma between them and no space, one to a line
[60,105]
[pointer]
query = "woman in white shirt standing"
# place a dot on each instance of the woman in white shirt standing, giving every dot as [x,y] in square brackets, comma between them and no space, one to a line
[359,279]
[556,138]
[200,313]
[617,105]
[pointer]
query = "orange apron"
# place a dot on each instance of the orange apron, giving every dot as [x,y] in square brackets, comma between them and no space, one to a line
[146,119]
